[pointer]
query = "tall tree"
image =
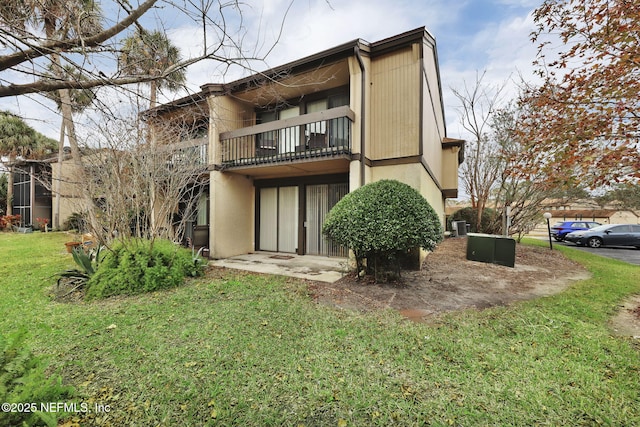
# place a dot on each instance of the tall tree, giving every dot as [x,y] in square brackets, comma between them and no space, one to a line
[623,196]
[584,121]
[18,139]
[61,20]
[520,188]
[483,162]
[79,100]
[148,53]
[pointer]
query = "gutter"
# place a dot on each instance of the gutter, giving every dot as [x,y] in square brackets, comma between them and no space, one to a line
[363,86]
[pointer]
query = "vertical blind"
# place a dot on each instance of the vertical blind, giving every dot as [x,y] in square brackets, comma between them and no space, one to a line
[320,200]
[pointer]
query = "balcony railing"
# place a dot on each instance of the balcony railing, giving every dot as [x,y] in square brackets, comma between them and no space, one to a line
[322,134]
[192,151]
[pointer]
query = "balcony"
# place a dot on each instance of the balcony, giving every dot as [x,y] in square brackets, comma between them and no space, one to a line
[315,136]
[192,151]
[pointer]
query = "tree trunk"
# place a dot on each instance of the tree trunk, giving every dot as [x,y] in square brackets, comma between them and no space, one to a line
[67,119]
[58,179]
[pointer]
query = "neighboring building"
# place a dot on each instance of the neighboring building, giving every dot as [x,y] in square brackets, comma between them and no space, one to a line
[603,216]
[286,144]
[589,210]
[31,195]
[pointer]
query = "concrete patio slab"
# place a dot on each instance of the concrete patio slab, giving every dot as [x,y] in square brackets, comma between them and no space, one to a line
[310,267]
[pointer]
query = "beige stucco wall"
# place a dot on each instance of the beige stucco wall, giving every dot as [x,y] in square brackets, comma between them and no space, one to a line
[225,114]
[625,217]
[396,122]
[414,175]
[70,195]
[232,215]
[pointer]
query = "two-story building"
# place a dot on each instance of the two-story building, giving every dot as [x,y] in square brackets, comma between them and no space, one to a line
[283,146]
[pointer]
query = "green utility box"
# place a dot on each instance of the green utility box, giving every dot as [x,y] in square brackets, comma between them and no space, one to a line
[491,249]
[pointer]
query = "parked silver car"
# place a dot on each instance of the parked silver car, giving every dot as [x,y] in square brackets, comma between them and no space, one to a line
[607,235]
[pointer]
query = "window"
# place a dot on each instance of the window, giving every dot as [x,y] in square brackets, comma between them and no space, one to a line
[202,216]
[621,229]
[316,133]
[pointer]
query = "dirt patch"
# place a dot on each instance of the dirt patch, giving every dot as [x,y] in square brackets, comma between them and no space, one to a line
[448,281]
[627,321]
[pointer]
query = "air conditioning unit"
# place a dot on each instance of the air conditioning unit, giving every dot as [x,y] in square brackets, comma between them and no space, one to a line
[461,227]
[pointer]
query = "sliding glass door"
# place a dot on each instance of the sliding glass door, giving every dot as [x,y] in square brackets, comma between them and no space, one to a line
[319,201]
[279,219]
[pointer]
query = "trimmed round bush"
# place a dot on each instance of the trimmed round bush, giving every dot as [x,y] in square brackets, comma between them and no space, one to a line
[382,220]
[139,266]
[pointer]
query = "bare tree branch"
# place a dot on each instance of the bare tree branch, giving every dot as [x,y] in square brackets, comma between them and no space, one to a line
[53,46]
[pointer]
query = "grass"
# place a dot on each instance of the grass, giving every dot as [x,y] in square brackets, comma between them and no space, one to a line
[255,350]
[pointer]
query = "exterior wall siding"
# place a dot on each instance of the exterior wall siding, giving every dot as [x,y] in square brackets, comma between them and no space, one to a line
[395,106]
[433,126]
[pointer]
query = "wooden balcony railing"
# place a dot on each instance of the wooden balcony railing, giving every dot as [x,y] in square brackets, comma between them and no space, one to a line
[322,134]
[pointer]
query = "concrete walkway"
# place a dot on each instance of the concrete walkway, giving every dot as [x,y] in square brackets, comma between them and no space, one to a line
[322,269]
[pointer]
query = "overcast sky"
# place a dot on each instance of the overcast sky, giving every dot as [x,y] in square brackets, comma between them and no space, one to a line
[472,36]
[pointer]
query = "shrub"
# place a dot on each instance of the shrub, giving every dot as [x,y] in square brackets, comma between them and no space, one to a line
[138,266]
[76,221]
[382,221]
[22,380]
[76,279]
[488,223]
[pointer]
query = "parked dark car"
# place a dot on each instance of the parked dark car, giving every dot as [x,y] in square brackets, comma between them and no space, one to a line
[561,229]
[607,235]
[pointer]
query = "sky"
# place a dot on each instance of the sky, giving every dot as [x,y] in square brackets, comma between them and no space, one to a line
[472,37]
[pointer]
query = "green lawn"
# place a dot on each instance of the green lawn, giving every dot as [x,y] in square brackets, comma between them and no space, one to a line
[254,350]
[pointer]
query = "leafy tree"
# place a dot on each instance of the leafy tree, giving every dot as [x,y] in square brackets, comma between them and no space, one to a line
[59,20]
[583,121]
[382,220]
[521,188]
[624,196]
[18,139]
[148,53]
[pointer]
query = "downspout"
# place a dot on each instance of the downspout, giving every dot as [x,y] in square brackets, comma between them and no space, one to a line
[363,85]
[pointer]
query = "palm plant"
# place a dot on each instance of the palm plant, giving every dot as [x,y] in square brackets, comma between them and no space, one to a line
[151,53]
[61,19]
[72,280]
